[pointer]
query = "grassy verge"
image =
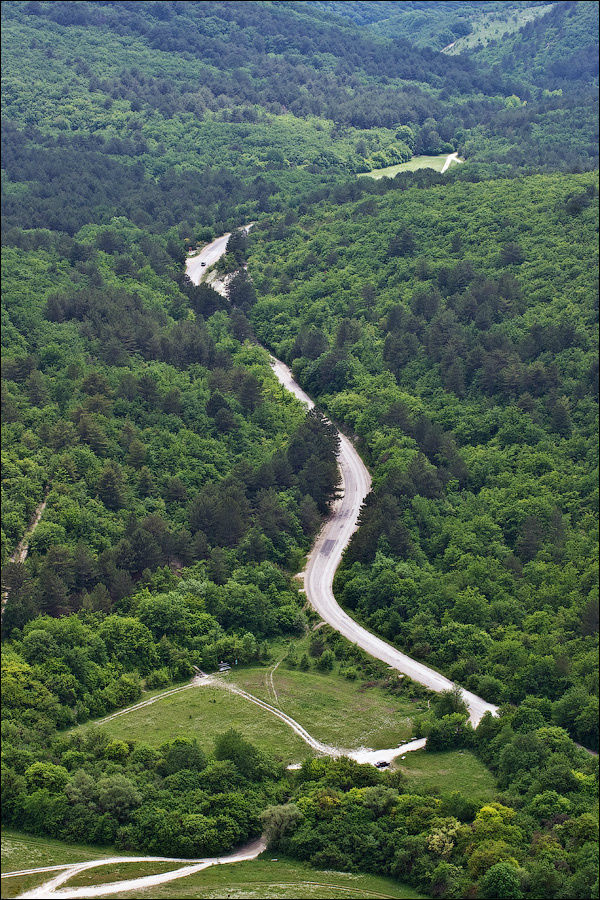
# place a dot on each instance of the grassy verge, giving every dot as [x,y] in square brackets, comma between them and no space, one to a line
[121,872]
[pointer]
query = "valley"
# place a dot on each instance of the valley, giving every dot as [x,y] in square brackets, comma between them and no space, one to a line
[299,449]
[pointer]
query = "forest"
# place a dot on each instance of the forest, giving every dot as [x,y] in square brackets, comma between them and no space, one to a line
[448,324]
[128,411]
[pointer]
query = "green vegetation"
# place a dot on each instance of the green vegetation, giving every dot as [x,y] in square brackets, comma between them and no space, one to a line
[370,718]
[199,713]
[15,887]
[333,709]
[444,845]
[278,879]
[417,162]
[448,322]
[441,845]
[23,851]
[130,409]
[174,801]
[120,872]
[556,48]
[463,355]
[495,24]
[441,774]
[459,22]
[312,678]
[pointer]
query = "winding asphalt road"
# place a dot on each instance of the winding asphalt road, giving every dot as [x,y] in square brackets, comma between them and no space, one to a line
[321,566]
[197,265]
[335,535]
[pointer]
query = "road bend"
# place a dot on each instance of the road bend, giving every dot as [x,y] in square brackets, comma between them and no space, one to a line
[335,536]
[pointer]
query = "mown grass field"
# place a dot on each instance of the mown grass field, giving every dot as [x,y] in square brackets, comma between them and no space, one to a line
[281,879]
[443,773]
[24,851]
[333,709]
[203,713]
[417,162]
[261,878]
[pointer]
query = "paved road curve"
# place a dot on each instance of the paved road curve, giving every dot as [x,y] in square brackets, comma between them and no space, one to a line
[318,579]
[334,537]
[327,553]
[196,265]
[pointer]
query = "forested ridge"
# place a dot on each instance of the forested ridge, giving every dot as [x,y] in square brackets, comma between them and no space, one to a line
[282,88]
[448,323]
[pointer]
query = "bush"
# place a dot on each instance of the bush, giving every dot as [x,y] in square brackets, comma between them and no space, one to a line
[501,882]
[349,672]
[158,678]
[449,733]
[304,664]
[325,662]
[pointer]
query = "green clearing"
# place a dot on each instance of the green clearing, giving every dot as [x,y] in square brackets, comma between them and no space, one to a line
[443,773]
[25,851]
[417,162]
[492,26]
[333,709]
[203,713]
[264,878]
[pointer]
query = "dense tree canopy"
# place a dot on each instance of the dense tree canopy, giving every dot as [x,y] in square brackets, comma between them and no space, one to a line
[453,330]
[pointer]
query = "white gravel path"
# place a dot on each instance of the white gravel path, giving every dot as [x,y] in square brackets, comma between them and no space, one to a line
[452,158]
[52,888]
